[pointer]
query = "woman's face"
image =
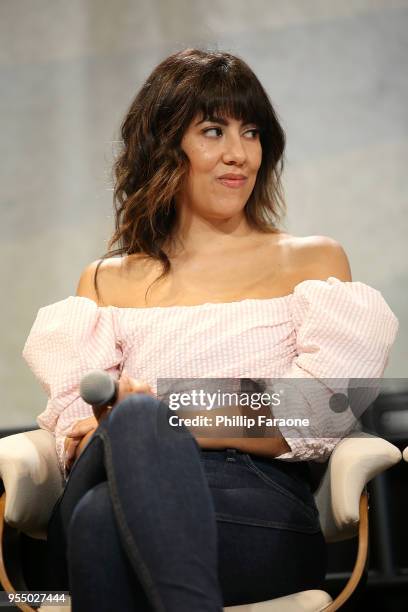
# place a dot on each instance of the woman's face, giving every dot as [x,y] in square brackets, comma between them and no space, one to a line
[216,148]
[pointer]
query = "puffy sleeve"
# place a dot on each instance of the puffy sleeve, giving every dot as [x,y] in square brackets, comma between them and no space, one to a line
[67,340]
[344,334]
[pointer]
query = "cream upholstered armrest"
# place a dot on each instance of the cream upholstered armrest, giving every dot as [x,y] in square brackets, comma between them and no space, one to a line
[32,480]
[354,462]
[405,453]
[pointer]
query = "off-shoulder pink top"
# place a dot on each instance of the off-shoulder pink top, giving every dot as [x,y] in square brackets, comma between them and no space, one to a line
[324,329]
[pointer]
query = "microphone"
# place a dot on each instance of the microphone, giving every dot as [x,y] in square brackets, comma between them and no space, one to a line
[99,389]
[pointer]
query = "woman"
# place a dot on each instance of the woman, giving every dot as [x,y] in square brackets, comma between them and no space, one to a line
[151,519]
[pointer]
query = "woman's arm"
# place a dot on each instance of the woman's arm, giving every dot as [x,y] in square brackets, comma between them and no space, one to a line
[266,441]
[267,447]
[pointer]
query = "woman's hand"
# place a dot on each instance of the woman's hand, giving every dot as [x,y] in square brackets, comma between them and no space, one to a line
[127,386]
[77,438]
[83,429]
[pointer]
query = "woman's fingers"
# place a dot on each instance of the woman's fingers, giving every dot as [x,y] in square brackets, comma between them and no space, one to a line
[75,446]
[82,427]
[70,450]
[129,385]
[133,384]
[101,413]
[77,433]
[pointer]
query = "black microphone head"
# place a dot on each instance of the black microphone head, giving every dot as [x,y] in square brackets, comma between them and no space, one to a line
[97,388]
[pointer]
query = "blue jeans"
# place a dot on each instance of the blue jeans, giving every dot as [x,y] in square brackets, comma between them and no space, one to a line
[149,521]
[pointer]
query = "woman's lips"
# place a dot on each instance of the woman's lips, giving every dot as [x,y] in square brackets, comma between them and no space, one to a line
[234,183]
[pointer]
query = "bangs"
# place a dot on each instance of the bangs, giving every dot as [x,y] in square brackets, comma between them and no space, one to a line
[226,95]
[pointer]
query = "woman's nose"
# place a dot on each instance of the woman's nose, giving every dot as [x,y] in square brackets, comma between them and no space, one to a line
[234,149]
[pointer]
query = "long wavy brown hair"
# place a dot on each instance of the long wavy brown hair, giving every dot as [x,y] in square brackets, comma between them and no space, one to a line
[151,166]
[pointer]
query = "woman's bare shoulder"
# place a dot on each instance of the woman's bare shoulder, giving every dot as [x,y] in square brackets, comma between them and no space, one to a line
[318,257]
[118,278]
[110,274]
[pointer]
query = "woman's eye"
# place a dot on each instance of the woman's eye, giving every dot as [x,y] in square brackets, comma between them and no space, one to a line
[255,131]
[212,130]
[217,129]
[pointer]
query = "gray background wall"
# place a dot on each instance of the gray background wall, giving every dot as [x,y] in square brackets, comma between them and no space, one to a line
[335,71]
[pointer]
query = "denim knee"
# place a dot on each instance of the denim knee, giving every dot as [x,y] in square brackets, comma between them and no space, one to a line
[145,418]
[135,406]
[139,409]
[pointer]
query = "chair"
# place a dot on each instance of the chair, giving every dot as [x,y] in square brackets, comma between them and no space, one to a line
[32,484]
